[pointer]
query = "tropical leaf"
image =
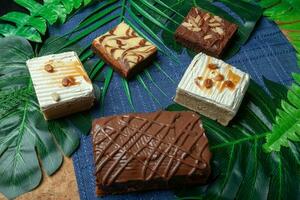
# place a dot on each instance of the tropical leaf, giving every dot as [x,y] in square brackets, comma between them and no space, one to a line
[240,167]
[25,137]
[286,129]
[32,26]
[286,13]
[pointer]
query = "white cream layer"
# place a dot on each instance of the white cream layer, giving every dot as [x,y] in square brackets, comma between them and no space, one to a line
[227,99]
[45,83]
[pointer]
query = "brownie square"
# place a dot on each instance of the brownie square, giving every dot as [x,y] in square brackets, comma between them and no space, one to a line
[124,50]
[145,151]
[204,32]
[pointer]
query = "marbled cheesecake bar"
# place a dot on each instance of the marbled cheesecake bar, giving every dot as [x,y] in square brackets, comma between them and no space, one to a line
[124,50]
[61,84]
[213,88]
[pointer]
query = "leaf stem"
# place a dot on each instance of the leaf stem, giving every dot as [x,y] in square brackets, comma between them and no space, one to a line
[239,141]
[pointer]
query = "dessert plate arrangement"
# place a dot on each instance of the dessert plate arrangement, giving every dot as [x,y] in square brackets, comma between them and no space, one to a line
[225,117]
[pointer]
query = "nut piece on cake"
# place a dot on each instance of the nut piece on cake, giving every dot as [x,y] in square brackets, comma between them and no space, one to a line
[124,50]
[61,84]
[147,151]
[212,88]
[204,32]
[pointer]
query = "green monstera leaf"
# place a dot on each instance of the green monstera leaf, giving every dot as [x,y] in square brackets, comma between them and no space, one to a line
[32,25]
[28,142]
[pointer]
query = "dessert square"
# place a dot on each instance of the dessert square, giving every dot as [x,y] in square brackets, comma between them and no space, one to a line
[145,151]
[204,32]
[124,50]
[61,84]
[212,88]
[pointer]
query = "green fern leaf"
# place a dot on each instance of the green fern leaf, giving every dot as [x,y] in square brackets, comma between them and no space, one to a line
[20,18]
[287,124]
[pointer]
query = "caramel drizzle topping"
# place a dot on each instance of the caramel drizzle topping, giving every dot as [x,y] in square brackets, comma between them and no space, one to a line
[126,47]
[154,153]
[232,80]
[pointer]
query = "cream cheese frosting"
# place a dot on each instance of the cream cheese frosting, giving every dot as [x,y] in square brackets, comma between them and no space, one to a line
[49,86]
[215,81]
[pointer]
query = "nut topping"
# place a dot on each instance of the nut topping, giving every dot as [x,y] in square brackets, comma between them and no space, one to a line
[206,16]
[193,24]
[229,84]
[212,20]
[212,66]
[208,83]
[55,96]
[197,19]
[218,30]
[49,68]
[219,77]
[217,18]
[207,37]
[68,81]
[214,24]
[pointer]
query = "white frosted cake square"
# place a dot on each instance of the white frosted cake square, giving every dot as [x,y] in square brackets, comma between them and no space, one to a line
[212,88]
[61,84]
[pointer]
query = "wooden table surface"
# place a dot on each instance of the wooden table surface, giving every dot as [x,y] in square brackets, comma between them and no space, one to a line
[61,186]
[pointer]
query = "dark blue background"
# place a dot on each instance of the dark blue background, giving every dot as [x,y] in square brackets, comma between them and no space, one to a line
[267,53]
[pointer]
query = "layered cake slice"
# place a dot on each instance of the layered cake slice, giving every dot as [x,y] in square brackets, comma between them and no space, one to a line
[61,84]
[212,88]
[159,150]
[205,32]
[124,50]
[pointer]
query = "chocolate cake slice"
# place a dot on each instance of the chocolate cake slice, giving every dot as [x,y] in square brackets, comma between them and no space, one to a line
[159,150]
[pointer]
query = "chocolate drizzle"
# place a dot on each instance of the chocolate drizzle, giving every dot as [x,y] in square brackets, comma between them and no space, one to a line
[149,147]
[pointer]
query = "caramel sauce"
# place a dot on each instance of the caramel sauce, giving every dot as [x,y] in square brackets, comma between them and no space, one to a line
[219,77]
[79,71]
[235,78]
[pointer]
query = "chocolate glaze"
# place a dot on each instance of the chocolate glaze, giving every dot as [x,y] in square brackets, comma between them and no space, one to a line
[204,32]
[157,150]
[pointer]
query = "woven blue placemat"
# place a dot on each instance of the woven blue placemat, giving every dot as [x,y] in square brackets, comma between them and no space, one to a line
[267,53]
